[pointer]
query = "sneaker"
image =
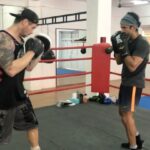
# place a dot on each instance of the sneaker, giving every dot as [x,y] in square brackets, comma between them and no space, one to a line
[125,145]
[135,149]
[139,144]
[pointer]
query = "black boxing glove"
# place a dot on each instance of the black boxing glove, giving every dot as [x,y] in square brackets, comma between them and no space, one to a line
[35,45]
[115,42]
[120,43]
[123,45]
[48,55]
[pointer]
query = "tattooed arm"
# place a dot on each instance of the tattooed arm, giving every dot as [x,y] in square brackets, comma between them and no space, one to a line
[7,62]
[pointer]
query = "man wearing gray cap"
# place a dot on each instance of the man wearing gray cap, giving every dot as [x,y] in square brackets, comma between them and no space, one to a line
[16,110]
[132,51]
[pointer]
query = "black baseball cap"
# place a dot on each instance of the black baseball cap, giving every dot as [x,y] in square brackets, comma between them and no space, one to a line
[27,14]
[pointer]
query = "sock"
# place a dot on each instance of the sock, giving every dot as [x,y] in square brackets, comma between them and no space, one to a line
[137,133]
[133,146]
[36,148]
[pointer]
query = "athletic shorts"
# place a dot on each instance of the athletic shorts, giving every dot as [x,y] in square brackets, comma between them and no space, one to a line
[129,96]
[20,118]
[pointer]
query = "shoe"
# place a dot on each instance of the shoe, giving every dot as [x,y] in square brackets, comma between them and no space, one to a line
[127,145]
[139,143]
[135,149]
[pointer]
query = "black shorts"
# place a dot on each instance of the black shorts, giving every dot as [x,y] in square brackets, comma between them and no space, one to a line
[20,118]
[129,96]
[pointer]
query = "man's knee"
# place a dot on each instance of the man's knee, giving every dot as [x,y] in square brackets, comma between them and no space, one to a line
[125,115]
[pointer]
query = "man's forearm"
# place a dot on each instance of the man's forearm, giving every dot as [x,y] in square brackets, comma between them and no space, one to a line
[33,63]
[118,59]
[19,64]
[132,62]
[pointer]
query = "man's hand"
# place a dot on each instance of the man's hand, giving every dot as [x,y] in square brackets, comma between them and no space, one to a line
[114,41]
[35,45]
[120,43]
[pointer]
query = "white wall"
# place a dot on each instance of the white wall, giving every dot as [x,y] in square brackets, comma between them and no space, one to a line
[21,3]
[49,8]
[144,13]
[1,17]
[9,9]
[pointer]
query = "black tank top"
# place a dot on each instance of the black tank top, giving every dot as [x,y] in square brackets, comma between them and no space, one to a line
[11,88]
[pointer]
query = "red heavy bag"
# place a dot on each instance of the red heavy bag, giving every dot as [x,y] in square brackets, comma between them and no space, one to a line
[100,68]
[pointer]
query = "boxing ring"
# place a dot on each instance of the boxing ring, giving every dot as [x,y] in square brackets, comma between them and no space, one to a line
[61,76]
[95,74]
[95,86]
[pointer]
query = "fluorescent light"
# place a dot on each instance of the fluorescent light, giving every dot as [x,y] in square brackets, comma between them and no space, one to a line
[139,2]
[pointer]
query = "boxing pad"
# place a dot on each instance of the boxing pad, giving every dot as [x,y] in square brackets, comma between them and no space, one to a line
[48,55]
[120,43]
[83,51]
[108,50]
[114,41]
[45,39]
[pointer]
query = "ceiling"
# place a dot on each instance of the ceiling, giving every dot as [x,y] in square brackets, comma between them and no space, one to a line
[130,3]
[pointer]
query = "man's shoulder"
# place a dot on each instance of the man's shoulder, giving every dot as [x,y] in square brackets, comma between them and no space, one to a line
[4,36]
[143,39]
[142,43]
[6,39]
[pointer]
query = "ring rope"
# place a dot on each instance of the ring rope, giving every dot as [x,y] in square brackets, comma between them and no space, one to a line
[58,76]
[71,47]
[68,59]
[59,89]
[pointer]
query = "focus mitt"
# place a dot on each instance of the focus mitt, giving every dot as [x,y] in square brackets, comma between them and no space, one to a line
[48,55]
[45,40]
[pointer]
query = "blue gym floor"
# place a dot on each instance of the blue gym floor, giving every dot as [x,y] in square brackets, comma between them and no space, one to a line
[145,102]
[61,71]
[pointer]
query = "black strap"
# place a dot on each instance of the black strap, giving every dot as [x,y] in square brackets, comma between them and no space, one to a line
[12,37]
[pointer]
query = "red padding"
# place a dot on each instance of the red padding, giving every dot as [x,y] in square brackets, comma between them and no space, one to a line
[100,68]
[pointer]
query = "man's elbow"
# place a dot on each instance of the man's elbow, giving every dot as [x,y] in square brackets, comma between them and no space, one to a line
[133,68]
[11,72]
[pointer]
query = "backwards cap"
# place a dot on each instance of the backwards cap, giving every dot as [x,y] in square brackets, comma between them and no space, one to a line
[27,14]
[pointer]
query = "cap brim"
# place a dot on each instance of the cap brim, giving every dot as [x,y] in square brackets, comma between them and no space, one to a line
[14,15]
